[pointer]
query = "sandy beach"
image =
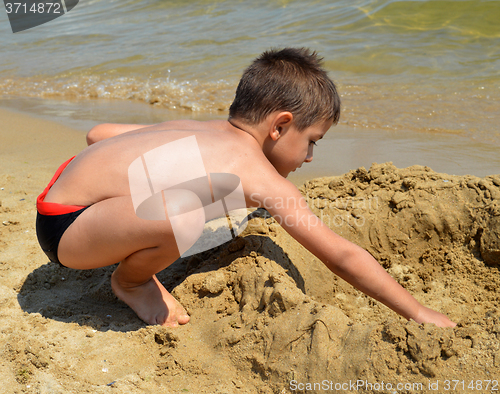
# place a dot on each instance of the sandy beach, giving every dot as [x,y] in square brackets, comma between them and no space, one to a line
[420,89]
[266,316]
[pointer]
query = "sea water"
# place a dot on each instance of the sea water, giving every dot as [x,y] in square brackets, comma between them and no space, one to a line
[419,80]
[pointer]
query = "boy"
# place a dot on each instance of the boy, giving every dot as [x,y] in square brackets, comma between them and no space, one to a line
[285,102]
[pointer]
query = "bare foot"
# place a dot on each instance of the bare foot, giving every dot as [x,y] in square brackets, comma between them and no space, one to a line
[151,302]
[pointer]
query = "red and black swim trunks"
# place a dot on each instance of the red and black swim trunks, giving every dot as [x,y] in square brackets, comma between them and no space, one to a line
[53,219]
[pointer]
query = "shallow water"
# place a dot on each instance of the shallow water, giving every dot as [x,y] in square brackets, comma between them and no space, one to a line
[404,68]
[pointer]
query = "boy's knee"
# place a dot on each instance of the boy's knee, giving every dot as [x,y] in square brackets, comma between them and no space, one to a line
[99,132]
[92,135]
[186,215]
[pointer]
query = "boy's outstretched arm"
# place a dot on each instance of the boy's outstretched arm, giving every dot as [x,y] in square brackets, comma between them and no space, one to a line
[342,257]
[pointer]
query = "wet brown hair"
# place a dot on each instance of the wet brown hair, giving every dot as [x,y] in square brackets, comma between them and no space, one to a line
[289,79]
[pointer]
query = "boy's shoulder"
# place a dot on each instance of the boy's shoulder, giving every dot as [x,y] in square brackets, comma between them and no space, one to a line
[270,190]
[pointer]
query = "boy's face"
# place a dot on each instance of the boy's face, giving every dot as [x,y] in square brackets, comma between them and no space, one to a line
[295,148]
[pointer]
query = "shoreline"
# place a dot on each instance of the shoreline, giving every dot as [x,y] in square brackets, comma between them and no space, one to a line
[344,148]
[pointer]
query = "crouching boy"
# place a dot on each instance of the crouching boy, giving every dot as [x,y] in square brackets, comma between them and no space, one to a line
[95,211]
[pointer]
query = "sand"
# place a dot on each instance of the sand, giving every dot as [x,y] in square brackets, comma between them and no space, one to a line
[266,315]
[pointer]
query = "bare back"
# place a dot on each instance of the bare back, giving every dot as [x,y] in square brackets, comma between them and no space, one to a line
[101,171]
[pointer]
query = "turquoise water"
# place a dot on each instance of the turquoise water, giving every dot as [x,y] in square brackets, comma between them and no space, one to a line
[427,67]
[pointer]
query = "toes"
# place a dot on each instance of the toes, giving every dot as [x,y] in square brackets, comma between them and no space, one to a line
[173,321]
[184,319]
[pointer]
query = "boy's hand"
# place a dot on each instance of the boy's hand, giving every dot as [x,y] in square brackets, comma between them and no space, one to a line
[427,315]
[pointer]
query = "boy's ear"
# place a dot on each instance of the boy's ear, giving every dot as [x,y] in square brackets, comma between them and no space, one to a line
[280,124]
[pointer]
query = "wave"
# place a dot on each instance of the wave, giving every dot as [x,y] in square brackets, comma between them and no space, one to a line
[211,97]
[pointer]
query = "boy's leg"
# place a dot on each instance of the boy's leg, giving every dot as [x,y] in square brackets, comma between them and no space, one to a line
[109,232]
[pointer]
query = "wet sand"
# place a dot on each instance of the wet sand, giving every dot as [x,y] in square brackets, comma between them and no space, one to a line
[264,311]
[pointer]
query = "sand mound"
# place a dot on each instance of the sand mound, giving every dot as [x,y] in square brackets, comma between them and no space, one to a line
[265,312]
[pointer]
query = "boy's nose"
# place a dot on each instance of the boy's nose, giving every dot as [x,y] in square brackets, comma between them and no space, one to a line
[309,156]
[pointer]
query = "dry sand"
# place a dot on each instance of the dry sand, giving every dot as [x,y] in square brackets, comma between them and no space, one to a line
[264,311]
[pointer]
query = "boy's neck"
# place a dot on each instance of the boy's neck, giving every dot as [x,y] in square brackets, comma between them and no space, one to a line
[255,132]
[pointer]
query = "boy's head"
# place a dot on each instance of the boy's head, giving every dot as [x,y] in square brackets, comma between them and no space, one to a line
[289,79]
